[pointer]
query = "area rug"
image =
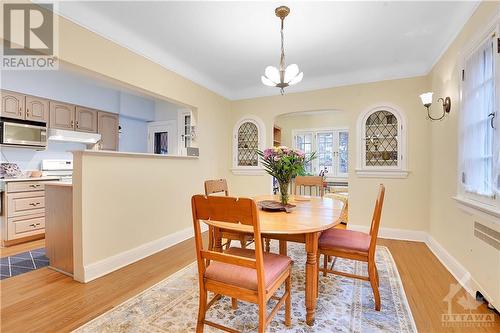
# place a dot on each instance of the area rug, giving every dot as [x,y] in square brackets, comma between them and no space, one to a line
[344,305]
[22,263]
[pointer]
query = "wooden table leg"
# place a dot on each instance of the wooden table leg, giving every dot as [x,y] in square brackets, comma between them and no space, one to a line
[283,248]
[311,276]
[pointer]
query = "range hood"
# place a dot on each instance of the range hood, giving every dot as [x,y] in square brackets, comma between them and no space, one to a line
[73,136]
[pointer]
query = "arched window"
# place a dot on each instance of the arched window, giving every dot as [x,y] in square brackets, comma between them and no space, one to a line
[248,138]
[382,143]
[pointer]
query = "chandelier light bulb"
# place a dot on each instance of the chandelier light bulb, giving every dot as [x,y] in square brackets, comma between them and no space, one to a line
[267,82]
[273,74]
[296,79]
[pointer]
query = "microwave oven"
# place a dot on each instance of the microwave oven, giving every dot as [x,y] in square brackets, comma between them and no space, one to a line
[23,133]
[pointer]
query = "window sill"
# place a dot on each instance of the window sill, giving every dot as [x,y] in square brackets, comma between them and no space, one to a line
[473,206]
[363,173]
[248,171]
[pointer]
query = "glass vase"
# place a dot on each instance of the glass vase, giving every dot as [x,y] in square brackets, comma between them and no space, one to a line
[283,192]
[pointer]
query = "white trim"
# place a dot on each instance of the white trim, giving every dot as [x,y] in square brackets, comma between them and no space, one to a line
[241,171]
[261,128]
[399,171]
[113,263]
[476,207]
[386,173]
[393,233]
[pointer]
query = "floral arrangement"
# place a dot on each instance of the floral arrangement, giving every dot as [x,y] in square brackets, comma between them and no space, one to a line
[284,164]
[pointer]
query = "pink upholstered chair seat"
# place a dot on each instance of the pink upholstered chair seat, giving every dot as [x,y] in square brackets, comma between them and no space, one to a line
[274,265]
[345,240]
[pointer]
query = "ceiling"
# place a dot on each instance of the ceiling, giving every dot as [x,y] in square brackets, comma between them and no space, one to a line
[225,46]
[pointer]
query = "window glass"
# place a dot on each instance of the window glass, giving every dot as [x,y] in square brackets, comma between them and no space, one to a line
[248,144]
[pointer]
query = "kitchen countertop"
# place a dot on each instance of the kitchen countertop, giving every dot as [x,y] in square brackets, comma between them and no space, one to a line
[59,183]
[29,179]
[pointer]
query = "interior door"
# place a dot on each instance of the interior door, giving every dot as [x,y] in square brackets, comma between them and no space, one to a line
[162,138]
[342,153]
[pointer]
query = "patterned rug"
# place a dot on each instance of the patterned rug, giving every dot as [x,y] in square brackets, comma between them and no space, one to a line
[344,305]
[22,263]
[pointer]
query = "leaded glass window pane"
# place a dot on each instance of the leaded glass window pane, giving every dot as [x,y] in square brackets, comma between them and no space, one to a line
[248,144]
[381,139]
[325,152]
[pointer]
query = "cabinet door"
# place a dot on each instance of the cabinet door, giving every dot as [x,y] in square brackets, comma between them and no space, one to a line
[37,109]
[86,120]
[62,116]
[12,105]
[107,124]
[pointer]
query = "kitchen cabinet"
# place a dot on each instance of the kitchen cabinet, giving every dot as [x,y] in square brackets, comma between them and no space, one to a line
[13,105]
[62,116]
[37,109]
[23,216]
[107,126]
[86,120]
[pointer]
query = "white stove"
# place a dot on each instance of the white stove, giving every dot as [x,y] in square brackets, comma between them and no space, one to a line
[58,168]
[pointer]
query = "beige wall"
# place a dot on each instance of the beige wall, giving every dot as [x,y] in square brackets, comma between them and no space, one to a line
[449,225]
[123,203]
[290,122]
[406,199]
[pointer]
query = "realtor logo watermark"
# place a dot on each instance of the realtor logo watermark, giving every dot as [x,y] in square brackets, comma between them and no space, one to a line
[468,317]
[29,37]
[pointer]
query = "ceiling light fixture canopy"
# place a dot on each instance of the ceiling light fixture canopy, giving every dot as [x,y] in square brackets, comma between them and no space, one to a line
[284,76]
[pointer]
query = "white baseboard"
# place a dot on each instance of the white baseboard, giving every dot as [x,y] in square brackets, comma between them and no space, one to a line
[110,264]
[392,233]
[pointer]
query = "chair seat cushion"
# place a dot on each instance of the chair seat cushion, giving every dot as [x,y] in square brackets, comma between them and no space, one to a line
[344,240]
[244,277]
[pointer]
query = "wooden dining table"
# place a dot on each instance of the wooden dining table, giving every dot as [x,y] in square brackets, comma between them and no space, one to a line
[303,224]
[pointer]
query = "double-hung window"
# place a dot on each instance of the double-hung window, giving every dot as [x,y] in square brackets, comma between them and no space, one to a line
[479,134]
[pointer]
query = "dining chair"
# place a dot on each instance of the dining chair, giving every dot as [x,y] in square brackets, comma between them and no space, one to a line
[316,182]
[354,245]
[246,274]
[216,186]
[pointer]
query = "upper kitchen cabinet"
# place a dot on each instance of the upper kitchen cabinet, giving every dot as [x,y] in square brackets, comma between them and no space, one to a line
[107,126]
[86,120]
[37,109]
[13,105]
[62,116]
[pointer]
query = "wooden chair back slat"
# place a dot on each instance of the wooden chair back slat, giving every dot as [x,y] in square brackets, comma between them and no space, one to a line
[309,181]
[377,213]
[216,186]
[225,209]
[229,259]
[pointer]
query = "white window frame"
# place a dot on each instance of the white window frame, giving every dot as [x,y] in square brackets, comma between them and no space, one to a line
[315,131]
[468,200]
[181,114]
[261,128]
[398,171]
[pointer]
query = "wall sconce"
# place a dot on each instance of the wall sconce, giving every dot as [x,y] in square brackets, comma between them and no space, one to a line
[427,102]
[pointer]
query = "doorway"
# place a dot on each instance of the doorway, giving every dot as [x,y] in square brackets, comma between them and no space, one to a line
[162,138]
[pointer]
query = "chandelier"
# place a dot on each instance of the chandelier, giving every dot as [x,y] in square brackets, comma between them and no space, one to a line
[284,76]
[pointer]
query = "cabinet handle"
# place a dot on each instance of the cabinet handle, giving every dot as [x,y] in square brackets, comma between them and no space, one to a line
[34,203]
[34,185]
[20,111]
[35,224]
[27,112]
[72,123]
[77,125]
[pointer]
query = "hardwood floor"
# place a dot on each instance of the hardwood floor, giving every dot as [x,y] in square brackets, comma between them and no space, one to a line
[47,301]
[23,247]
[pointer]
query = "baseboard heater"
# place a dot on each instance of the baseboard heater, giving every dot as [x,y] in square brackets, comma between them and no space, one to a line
[487,235]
